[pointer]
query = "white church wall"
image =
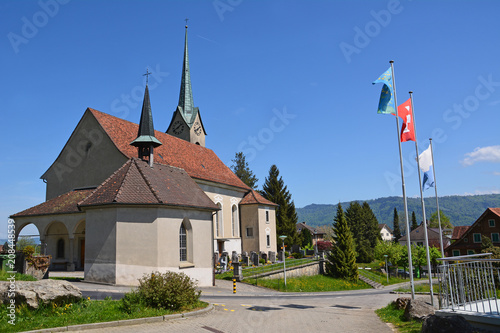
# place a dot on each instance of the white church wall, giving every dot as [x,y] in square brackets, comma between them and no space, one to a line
[100,248]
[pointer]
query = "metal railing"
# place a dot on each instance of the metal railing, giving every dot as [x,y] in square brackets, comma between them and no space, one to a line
[469,283]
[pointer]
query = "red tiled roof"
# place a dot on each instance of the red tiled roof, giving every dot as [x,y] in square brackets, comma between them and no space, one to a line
[66,203]
[137,183]
[253,197]
[459,231]
[199,162]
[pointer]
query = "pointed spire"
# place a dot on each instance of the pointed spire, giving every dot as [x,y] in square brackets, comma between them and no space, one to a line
[186,94]
[146,134]
[146,140]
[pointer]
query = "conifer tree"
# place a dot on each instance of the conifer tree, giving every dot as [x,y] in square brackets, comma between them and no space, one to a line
[241,169]
[306,237]
[342,259]
[414,224]
[396,229]
[275,190]
[364,228]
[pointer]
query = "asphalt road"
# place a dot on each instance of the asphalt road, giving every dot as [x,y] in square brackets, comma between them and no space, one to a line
[254,309]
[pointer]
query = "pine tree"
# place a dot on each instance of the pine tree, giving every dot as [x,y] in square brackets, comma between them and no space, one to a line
[396,229]
[241,169]
[342,259]
[275,190]
[414,224]
[306,237]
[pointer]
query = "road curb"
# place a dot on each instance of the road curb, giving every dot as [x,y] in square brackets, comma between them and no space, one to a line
[128,322]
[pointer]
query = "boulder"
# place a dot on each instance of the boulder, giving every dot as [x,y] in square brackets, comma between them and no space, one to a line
[44,291]
[402,302]
[448,324]
[418,309]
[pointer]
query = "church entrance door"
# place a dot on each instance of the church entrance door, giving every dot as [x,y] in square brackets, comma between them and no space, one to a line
[220,247]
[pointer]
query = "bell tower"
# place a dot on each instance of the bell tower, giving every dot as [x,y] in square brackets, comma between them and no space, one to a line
[186,121]
[146,140]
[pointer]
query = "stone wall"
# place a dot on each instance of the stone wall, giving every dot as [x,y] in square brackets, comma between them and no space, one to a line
[308,269]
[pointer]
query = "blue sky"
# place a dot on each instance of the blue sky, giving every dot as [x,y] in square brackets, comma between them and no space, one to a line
[286,82]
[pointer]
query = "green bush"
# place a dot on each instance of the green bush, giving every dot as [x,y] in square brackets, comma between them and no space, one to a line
[28,252]
[169,290]
[297,255]
[262,261]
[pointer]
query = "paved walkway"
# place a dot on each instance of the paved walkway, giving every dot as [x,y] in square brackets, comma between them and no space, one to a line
[255,309]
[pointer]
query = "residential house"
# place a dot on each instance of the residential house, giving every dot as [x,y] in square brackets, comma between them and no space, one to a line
[385,232]
[470,241]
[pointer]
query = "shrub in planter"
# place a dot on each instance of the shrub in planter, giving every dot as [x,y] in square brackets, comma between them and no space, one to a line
[168,290]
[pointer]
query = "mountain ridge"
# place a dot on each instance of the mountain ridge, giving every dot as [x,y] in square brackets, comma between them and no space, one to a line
[461,209]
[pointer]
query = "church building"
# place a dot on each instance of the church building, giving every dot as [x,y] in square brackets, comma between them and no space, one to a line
[124,199]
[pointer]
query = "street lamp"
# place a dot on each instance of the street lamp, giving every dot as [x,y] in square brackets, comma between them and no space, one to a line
[282,237]
[386,271]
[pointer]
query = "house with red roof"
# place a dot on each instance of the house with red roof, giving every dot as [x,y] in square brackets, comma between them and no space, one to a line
[469,239]
[124,200]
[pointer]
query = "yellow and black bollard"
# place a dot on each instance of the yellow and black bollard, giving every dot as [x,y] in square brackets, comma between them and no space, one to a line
[234,286]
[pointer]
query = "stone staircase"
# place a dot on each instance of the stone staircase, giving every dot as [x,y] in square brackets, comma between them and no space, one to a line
[372,283]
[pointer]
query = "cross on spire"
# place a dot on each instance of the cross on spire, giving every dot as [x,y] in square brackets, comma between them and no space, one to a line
[186,22]
[148,73]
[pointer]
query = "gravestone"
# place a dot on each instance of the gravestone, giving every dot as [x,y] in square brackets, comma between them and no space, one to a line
[281,256]
[234,257]
[272,256]
[245,260]
[255,260]
[263,255]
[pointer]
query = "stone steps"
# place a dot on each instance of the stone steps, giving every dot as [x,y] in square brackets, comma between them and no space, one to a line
[372,283]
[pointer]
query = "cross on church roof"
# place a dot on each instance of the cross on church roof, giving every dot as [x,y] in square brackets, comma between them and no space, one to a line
[147,75]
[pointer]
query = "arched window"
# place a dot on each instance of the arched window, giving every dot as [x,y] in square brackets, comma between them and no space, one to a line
[60,248]
[234,220]
[218,221]
[183,243]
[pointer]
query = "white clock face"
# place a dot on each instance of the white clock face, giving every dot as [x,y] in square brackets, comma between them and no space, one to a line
[178,127]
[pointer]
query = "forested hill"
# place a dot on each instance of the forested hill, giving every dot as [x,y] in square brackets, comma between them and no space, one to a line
[462,210]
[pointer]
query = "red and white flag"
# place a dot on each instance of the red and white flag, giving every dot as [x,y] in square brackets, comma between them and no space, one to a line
[408,127]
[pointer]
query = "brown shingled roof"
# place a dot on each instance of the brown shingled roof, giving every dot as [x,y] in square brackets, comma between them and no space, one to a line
[253,197]
[199,162]
[137,183]
[64,204]
[459,231]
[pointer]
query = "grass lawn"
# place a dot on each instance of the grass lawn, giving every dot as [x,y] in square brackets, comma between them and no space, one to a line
[18,276]
[314,283]
[83,312]
[391,314]
[420,288]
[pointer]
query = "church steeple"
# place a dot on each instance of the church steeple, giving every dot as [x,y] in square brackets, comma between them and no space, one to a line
[186,93]
[186,121]
[146,140]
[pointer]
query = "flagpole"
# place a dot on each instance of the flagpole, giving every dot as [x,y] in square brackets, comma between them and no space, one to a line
[437,201]
[422,200]
[408,243]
